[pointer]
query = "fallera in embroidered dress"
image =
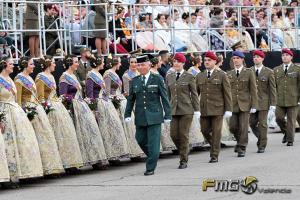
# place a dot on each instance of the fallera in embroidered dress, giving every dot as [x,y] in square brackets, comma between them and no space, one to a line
[26,90]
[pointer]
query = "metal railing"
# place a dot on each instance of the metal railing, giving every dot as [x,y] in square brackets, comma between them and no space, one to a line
[69,28]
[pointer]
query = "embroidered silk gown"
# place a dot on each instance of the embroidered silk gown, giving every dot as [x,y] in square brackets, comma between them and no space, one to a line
[113,88]
[21,146]
[61,122]
[4,173]
[108,118]
[87,130]
[26,95]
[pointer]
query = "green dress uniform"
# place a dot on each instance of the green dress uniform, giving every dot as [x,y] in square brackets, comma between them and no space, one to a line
[184,99]
[244,98]
[288,96]
[150,100]
[215,99]
[265,82]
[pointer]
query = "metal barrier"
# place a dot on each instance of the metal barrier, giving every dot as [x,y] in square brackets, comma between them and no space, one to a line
[177,36]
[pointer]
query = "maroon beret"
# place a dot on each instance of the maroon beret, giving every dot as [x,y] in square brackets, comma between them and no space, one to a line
[180,57]
[211,55]
[288,51]
[259,53]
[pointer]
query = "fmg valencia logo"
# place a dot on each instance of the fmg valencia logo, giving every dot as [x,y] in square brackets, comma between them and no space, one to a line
[249,186]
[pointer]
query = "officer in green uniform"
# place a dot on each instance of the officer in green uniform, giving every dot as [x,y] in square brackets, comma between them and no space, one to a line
[149,95]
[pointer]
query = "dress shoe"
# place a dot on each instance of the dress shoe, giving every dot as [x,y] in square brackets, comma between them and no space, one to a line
[261,150]
[289,144]
[99,166]
[241,154]
[213,160]
[149,173]
[72,171]
[284,139]
[182,165]
[10,185]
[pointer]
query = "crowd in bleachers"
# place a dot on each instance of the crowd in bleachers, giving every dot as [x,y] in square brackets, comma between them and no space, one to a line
[174,25]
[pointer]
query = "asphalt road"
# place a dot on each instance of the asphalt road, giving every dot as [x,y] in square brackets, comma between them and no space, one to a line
[277,168]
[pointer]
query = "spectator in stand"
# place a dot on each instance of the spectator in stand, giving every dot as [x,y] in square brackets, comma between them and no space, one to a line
[4,49]
[289,23]
[50,26]
[232,17]
[246,23]
[31,23]
[202,20]
[100,23]
[88,23]
[124,34]
[277,36]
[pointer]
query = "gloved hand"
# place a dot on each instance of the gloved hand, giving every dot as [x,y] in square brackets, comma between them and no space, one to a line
[167,121]
[228,114]
[197,114]
[128,119]
[298,103]
[253,110]
[272,107]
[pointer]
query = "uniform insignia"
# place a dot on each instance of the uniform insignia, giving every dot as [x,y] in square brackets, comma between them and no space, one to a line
[263,78]
[152,86]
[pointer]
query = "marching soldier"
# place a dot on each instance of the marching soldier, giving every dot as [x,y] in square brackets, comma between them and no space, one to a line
[287,77]
[182,92]
[244,99]
[149,95]
[129,74]
[215,99]
[265,82]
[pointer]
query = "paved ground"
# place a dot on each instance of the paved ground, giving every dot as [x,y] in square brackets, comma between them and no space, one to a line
[279,168]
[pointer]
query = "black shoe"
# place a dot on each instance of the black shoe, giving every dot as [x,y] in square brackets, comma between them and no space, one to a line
[115,163]
[72,171]
[182,165]
[149,173]
[52,176]
[213,160]
[241,154]
[289,144]
[284,139]
[261,150]
[99,166]
[10,185]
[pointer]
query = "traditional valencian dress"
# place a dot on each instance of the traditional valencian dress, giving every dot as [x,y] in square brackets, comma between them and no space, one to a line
[61,122]
[88,134]
[21,146]
[26,96]
[108,118]
[4,172]
[113,88]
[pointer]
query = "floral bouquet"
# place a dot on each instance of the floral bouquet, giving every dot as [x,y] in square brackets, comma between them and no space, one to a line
[116,101]
[92,103]
[30,110]
[47,106]
[66,99]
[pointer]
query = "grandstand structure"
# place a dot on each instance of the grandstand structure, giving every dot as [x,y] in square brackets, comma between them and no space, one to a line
[176,27]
